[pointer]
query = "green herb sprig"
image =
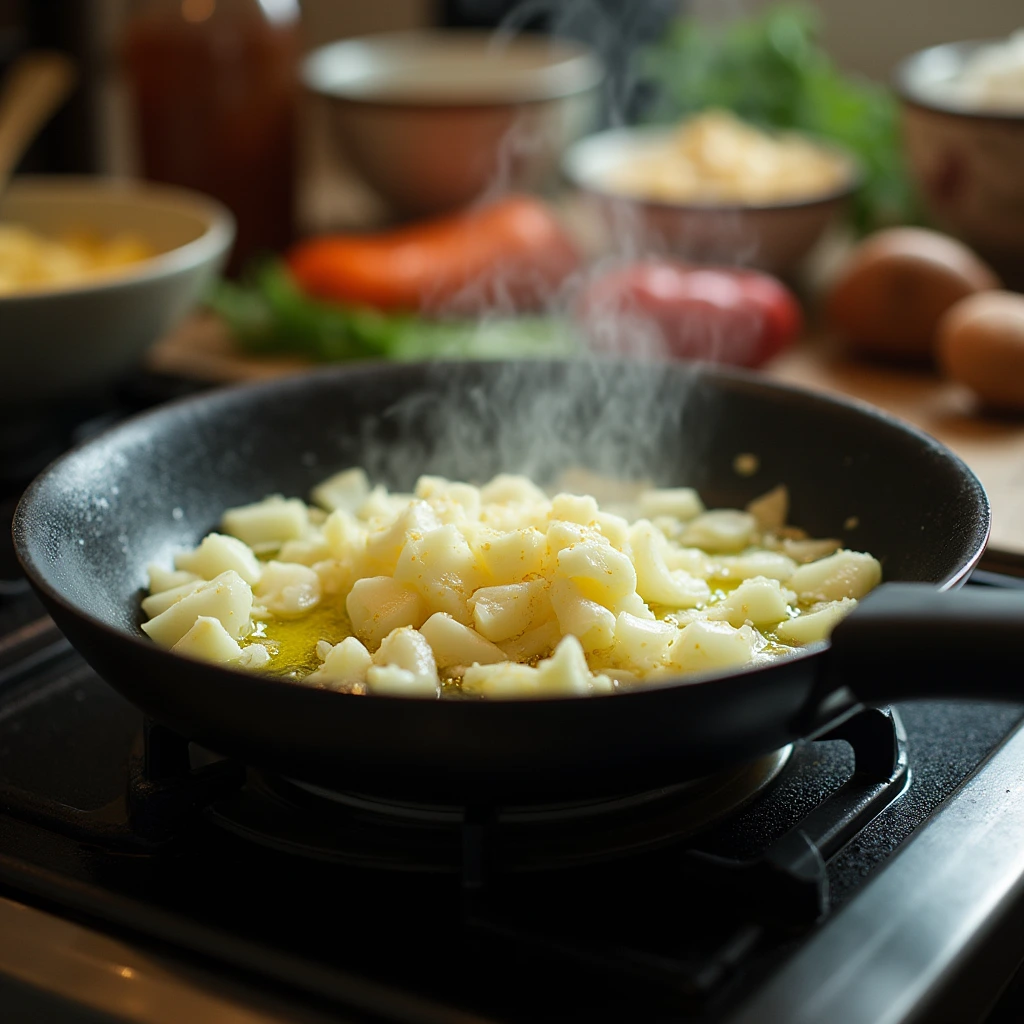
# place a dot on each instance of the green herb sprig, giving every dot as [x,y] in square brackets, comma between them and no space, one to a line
[267,313]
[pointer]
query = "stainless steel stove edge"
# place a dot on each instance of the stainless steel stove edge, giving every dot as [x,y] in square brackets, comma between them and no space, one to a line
[77,972]
[897,952]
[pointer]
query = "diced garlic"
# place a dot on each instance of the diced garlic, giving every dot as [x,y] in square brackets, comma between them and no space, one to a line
[804,549]
[510,557]
[844,574]
[287,589]
[709,646]
[670,526]
[506,488]
[380,509]
[758,600]
[482,581]
[723,529]
[773,564]
[442,568]
[442,494]
[533,643]
[216,554]
[656,583]
[684,616]
[208,640]
[336,576]
[642,643]
[602,573]
[227,598]
[384,546]
[407,648]
[566,672]
[624,678]
[505,681]
[614,529]
[516,517]
[312,549]
[692,561]
[635,605]
[562,534]
[456,644]
[343,665]
[163,600]
[273,520]
[344,534]
[345,490]
[500,613]
[817,625]
[574,508]
[391,681]
[378,604]
[254,656]
[591,623]
[678,502]
[161,579]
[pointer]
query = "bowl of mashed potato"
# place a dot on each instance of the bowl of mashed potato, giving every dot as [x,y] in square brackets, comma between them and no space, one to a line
[713,188]
[963,118]
[92,272]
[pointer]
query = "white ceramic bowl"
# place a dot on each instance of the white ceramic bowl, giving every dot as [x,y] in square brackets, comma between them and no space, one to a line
[968,163]
[433,119]
[768,236]
[59,341]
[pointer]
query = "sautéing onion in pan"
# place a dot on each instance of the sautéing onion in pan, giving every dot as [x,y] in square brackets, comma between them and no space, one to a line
[502,590]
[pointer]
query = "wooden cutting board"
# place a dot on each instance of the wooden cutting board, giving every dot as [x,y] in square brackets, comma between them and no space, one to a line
[993,448]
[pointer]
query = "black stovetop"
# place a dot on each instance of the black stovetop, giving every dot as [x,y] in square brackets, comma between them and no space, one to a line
[105,819]
[120,826]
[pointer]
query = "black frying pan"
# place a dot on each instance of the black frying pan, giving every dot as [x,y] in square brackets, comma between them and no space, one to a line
[87,528]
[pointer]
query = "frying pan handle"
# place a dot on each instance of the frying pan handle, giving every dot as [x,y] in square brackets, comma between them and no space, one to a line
[911,640]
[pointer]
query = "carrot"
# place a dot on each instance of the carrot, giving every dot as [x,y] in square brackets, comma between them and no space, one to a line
[509,255]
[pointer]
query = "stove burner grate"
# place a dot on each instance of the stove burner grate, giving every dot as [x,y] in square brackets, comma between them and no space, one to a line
[367,831]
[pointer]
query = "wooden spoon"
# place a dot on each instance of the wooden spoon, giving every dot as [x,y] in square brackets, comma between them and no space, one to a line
[36,85]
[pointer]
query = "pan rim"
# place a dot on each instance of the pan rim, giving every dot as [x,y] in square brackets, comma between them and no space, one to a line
[217,396]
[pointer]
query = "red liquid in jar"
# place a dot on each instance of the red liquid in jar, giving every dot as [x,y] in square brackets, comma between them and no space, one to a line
[214,89]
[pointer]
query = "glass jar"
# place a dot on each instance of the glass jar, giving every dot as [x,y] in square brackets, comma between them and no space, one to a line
[214,91]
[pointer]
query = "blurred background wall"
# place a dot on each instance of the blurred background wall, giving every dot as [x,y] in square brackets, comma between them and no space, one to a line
[864,35]
[868,36]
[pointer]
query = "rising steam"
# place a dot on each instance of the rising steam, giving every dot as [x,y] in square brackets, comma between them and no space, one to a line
[615,419]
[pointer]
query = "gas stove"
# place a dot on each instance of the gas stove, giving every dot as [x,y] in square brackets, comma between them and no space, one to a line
[874,873]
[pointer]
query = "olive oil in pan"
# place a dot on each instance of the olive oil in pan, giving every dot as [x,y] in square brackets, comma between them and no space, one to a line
[293,642]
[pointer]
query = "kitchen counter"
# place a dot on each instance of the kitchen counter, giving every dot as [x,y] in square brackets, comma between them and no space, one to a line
[992,447]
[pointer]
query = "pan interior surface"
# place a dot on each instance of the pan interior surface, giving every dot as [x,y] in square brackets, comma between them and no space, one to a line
[91,524]
[139,493]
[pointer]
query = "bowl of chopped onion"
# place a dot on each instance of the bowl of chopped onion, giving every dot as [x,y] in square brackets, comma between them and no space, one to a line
[712,189]
[92,272]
